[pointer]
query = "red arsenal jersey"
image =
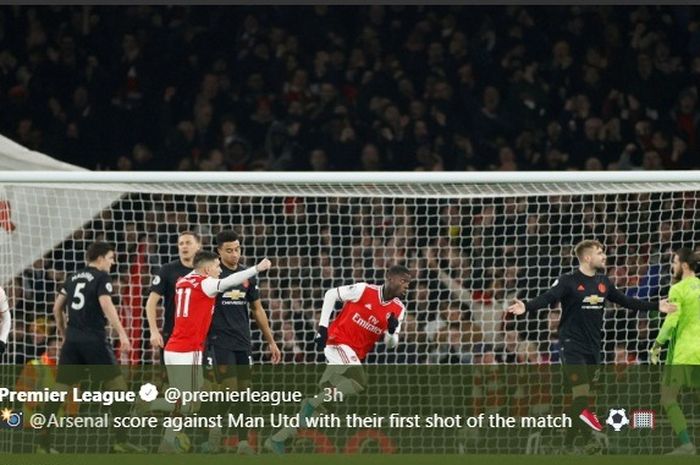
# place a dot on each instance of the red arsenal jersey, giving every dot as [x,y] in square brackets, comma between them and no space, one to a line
[363,319]
[193,314]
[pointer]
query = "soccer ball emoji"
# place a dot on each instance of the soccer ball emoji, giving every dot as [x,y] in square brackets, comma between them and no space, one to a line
[617,419]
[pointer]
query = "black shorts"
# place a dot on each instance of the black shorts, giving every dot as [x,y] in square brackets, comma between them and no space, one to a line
[579,367]
[161,350]
[222,363]
[94,350]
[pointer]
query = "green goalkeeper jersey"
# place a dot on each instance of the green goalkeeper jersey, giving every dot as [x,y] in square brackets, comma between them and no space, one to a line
[682,327]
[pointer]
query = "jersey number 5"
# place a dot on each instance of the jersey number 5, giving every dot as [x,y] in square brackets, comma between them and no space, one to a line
[183,305]
[78,297]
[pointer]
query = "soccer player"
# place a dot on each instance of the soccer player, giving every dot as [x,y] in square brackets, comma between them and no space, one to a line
[5,321]
[369,312]
[195,297]
[163,285]
[582,295]
[229,342]
[682,329]
[87,294]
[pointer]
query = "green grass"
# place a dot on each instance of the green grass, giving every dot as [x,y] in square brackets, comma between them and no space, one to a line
[370,459]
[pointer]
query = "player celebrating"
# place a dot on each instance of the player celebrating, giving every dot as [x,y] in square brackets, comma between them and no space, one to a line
[195,296]
[88,295]
[682,328]
[229,342]
[368,312]
[583,294]
[163,285]
[5,321]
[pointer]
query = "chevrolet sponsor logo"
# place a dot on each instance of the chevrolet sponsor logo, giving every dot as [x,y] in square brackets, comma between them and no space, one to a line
[594,299]
[235,295]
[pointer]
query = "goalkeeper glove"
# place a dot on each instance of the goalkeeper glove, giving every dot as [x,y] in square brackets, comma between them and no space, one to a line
[3,346]
[655,354]
[392,323]
[321,337]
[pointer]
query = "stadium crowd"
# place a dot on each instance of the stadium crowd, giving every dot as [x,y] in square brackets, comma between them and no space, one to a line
[354,87]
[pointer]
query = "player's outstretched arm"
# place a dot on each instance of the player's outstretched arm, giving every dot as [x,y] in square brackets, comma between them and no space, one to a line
[667,307]
[5,321]
[213,286]
[517,307]
[553,295]
[616,296]
[151,315]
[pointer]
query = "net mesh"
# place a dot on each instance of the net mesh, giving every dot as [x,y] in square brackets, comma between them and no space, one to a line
[471,248]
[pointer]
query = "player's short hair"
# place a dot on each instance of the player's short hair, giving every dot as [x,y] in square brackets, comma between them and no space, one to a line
[203,256]
[581,247]
[397,270]
[97,250]
[688,256]
[227,235]
[190,233]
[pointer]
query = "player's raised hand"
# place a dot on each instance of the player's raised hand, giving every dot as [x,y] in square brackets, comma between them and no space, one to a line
[156,340]
[321,337]
[517,307]
[392,323]
[655,354]
[264,265]
[667,307]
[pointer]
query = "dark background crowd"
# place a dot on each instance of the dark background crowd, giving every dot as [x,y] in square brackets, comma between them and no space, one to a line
[353,87]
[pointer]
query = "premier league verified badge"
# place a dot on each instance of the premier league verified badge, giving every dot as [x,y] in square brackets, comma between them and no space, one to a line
[10,418]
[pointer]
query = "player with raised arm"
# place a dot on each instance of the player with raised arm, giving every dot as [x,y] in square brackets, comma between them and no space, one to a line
[195,297]
[5,321]
[229,341]
[682,329]
[369,313]
[87,294]
[582,295]
[163,286]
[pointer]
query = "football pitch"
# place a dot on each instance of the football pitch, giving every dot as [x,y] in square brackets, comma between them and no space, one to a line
[365,459]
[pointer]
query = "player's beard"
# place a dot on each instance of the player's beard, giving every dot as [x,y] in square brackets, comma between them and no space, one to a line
[599,269]
[677,276]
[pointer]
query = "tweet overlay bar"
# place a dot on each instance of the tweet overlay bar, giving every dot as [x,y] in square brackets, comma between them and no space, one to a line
[312,410]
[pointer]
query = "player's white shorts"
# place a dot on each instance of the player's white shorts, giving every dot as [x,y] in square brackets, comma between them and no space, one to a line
[341,355]
[339,358]
[185,370]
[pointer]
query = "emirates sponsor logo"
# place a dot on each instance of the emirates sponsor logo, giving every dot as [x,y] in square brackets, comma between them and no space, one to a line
[368,325]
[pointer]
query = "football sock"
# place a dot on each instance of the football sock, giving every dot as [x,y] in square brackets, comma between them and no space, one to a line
[678,423]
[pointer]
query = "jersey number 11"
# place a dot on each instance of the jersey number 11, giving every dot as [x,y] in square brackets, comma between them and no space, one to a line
[183,304]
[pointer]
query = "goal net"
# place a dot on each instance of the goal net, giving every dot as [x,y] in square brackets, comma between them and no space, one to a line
[472,246]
